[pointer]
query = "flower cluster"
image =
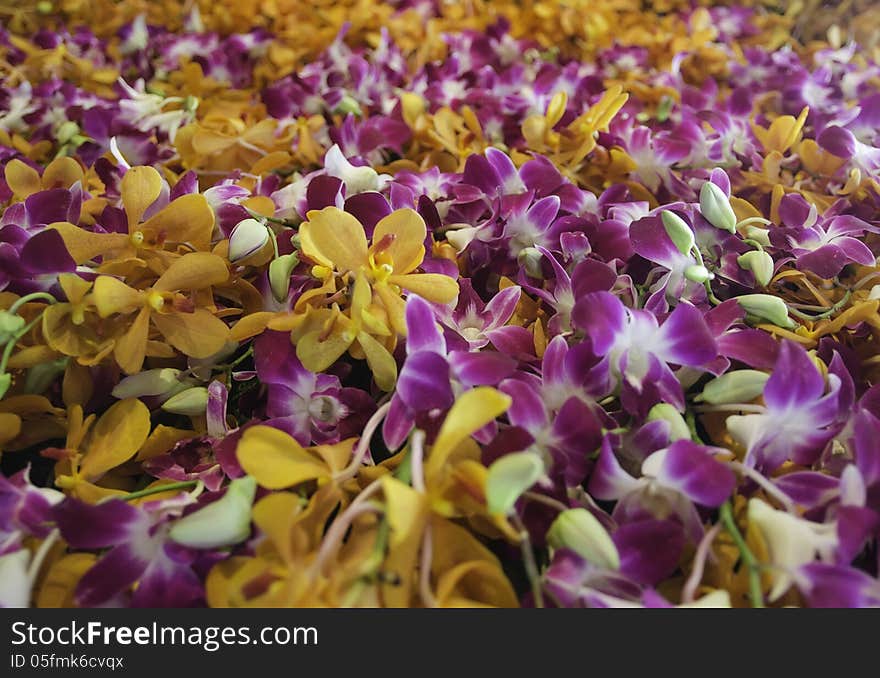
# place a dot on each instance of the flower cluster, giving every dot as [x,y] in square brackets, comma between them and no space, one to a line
[439,305]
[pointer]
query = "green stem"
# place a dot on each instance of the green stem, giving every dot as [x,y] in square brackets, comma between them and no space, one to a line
[748,558]
[35,296]
[708,284]
[10,345]
[831,311]
[754,220]
[531,566]
[184,484]
[754,243]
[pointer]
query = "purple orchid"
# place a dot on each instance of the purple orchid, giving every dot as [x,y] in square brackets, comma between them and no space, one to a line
[823,245]
[798,415]
[311,408]
[139,552]
[638,350]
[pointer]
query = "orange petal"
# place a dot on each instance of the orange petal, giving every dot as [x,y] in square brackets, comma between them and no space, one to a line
[251,325]
[199,334]
[140,187]
[114,296]
[193,271]
[334,238]
[75,288]
[132,346]
[407,249]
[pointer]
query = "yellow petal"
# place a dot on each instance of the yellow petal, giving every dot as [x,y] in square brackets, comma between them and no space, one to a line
[275,459]
[395,307]
[475,584]
[23,179]
[407,249]
[140,186]
[62,172]
[335,239]
[435,287]
[317,353]
[131,347]
[10,426]
[471,411]
[556,108]
[116,437]
[199,334]
[381,362]
[75,288]
[189,219]
[84,245]
[161,440]
[59,585]
[273,515]
[251,325]
[406,511]
[193,271]
[114,296]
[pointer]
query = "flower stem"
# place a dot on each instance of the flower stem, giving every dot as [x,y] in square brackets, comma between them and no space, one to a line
[35,296]
[831,311]
[184,484]
[748,558]
[525,544]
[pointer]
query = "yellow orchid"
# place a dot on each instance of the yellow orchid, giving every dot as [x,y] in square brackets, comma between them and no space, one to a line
[196,332]
[783,133]
[24,180]
[187,223]
[73,327]
[377,274]
[94,448]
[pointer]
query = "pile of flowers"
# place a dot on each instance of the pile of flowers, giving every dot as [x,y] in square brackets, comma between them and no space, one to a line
[434,304]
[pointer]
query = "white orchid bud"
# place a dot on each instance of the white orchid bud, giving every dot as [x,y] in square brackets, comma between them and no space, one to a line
[698,273]
[759,235]
[279,275]
[509,477]
[739,386]
[15,584]
[224,522]
[767,307]
[578,530]
[248,238]
[160,381]
[678,428]
[759,263]
[678,231]
[192,402]
[715,207]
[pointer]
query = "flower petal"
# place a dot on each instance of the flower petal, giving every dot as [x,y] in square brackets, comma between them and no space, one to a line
[139,189]
[408,232]
[334,238]
[199,334]
[193,271]
[276,460]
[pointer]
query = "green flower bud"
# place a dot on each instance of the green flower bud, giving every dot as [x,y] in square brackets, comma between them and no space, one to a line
[767,307]
[579,530]
[349,105]
[759,235]
[40,377]
[509,477]
[698,273]
[759,263]
[715,207]
[224,522]
[193,401]
[156,382]
[740,386]
[248,237]
[678,428]
[279,275]
[66,131]
[530,259]
[678,231]
[10,323]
